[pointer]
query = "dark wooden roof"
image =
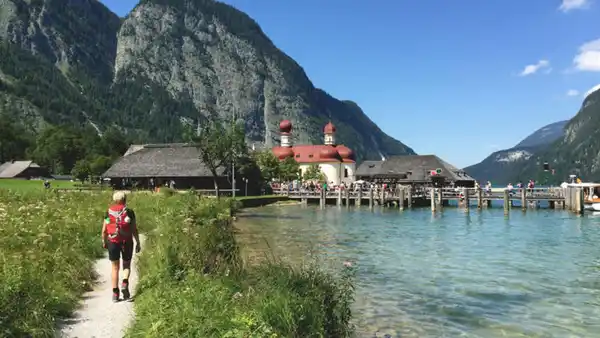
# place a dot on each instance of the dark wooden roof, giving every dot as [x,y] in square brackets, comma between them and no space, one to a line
[160,160]
[416,168]
[14,168]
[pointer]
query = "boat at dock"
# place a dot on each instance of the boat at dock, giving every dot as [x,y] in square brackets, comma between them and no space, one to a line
[591,195]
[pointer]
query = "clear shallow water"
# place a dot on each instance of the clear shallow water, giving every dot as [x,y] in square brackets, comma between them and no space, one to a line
[450,275]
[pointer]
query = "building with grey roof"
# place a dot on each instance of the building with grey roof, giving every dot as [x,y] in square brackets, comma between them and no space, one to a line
[22,169]
[413,169]
[162,163]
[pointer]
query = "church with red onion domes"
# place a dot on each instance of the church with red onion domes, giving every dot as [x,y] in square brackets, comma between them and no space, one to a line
[337,162]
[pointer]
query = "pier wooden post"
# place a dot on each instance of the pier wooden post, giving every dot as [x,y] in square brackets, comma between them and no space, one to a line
[382,200]
[467,200]
[322,199]
[409,197]
[506,201]
[401,198]
[339,198]
[433,204]
[440,197]
[371,197]
[524,199]
[479,198]
[580,202]
[358,201]
[347,197]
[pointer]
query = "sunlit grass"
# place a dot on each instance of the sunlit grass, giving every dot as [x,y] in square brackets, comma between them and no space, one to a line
[16,184]
[192,280]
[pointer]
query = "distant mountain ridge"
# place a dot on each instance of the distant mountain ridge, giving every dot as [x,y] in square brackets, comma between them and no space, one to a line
[577,152]
[165,65]
[505,165]
[544,135]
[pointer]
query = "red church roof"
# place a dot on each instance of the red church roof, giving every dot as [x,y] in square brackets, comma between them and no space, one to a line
[316,153]
[313,153]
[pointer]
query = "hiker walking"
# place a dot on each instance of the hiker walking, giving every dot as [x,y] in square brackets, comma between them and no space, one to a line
[118,231]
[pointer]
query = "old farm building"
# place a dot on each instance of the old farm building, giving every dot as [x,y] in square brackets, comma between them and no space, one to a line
[163,163]
[414,170]
[22,169]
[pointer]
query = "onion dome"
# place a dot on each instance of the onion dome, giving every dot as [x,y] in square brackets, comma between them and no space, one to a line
[329,128]
[328,153]
[285,126]
[283,152]
[345,152]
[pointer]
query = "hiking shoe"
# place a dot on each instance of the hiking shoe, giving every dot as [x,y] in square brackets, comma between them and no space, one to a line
[115,297]
[125,291]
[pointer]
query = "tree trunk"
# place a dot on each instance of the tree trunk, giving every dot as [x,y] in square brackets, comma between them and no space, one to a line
[215,180]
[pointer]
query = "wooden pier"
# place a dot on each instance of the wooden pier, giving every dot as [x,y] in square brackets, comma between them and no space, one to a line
[570,198]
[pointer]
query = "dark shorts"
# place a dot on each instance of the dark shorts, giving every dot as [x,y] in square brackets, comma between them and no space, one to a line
[123,250]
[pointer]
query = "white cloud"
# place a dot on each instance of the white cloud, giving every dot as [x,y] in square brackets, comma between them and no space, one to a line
[532,69]
[588,58]
[595,88]
[572,92]
[568,5]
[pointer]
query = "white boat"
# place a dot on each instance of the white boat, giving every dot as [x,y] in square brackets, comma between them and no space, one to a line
[591,195]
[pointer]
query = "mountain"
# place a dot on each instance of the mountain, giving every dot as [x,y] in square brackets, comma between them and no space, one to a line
[576,152]
[167,64]
[506,165]
[544,136]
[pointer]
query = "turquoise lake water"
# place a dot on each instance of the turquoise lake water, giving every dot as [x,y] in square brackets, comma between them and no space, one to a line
[534,274]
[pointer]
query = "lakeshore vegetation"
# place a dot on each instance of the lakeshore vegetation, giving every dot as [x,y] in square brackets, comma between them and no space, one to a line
[193,280]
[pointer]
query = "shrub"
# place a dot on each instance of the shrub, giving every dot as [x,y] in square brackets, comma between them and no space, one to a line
[193,284]
[192,280]
[48,242]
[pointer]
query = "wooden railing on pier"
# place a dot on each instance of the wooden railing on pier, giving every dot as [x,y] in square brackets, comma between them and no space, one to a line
[438,197]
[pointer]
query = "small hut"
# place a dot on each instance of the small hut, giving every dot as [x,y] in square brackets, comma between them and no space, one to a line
[425,170]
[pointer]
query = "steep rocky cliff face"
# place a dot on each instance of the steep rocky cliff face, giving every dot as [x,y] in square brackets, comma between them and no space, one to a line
[506,165]
[167,64]
[72,34]
[577,152]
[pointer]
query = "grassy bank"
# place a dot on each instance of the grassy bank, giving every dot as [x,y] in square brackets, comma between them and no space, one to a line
[193,284]
[48,242]
[33,185]
[192,279]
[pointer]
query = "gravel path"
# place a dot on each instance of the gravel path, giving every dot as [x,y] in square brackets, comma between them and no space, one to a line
[99,317]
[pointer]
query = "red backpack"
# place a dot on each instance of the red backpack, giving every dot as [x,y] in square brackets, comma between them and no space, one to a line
[118,224]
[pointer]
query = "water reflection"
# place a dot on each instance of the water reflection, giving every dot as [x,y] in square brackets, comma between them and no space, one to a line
[447,274]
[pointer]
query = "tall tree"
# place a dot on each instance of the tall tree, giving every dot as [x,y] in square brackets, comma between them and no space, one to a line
[313,172]
[219,143]
[269,165]
[14,138]
[289,170]
[59,148]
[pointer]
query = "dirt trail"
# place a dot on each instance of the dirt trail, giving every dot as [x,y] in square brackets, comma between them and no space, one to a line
[98,316]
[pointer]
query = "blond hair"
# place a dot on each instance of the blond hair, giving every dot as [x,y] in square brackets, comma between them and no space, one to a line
[119,197]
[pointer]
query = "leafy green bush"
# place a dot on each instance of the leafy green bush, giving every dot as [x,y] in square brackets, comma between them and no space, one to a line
[193,284]
[192,280]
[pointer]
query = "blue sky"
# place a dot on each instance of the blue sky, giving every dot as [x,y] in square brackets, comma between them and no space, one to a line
[444,77]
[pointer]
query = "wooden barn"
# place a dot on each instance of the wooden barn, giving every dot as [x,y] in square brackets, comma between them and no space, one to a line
[414,170]
[152,165]
[22,170]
